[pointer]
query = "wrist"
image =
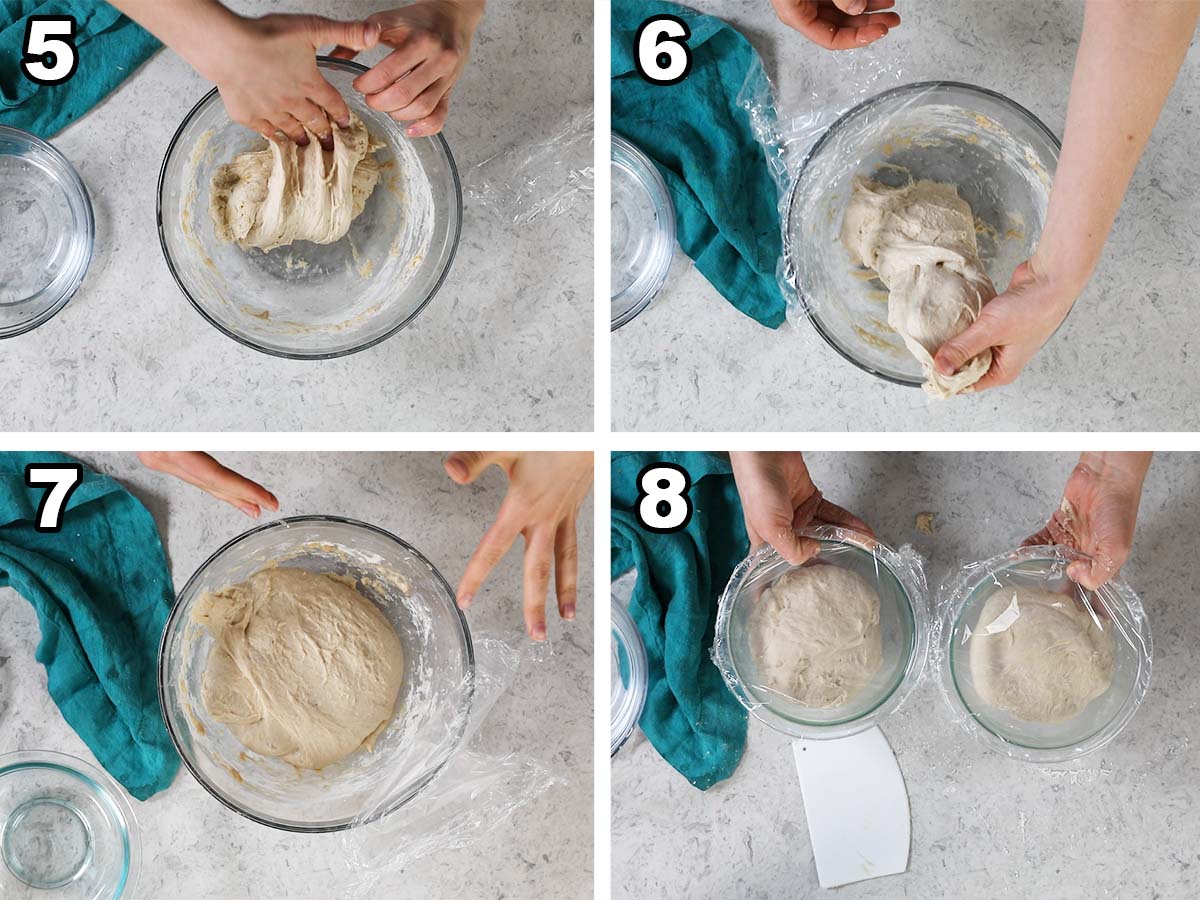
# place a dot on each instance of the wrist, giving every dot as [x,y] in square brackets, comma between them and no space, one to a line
[216,44]
[1124,470]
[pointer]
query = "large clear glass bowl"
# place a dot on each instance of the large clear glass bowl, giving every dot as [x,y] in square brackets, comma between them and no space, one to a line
[431,711]
[629,669]
[643,231]
[67,831]
[313,301]
[46,231]
[999,155]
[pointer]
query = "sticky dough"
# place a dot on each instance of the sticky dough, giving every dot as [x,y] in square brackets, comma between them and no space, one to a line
[1040,655]
[815,635]
[920,239]
[302,667]
[282,193]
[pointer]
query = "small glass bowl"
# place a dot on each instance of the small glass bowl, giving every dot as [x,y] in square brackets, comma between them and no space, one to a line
[67,831]
[902,618]
[1114,604]
[313,301]
[643,231]
[431,711]
[46,231]
[629,672]
[998,154]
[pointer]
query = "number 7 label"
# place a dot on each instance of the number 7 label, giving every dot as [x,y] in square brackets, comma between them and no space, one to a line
[62,479]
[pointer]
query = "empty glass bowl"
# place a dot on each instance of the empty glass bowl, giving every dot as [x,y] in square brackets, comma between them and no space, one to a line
[1114,607]
[46,231]
[999,155]
[431,712]
[67,831]
[902,620]
[313,301]
[629,674]
[643,231]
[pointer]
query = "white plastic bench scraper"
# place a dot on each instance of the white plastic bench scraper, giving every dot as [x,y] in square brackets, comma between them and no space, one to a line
[856,805]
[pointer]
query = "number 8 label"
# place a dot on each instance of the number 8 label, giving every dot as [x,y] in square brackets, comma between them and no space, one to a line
[663,505]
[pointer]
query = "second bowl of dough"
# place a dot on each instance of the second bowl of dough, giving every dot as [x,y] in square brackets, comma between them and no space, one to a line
[310,300]
[1035,665]
[828,648]
[413,744]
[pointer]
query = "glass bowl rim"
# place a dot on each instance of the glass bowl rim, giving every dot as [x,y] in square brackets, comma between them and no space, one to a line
[656,189]
[623,624]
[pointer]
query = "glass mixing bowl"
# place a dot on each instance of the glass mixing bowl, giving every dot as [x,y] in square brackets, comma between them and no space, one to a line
[629,669]
[1114,606]
[431,712]
[313,301]
[46,231]
[67,832]
[902,620]
[999,155]
[643,231]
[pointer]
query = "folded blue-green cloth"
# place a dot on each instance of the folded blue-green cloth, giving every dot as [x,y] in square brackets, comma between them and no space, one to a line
[690,717]
[102,592]
[727,218]
[110,47]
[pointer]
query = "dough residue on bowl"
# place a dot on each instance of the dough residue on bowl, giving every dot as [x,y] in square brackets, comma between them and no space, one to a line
[282,193]
[303,667]
[815,635]
[1039,655]
[920,239]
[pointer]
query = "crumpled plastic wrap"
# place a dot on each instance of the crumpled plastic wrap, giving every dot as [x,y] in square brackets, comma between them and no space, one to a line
[899,578]
[1116,614]
[543,179]
[476,792]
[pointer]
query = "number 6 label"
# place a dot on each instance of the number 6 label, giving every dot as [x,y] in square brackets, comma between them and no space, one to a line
[663,56]
[50,57]
[663,505]
[62,479]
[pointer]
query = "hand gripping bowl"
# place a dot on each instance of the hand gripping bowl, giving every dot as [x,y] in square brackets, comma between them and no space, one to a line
[999,155]
[902,618]
[431,712]
[313,301]
[1114,607]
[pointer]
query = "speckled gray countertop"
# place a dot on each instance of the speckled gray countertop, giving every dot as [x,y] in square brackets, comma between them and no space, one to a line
[195,849]
[1121,361]
[1118,823]
[505,346]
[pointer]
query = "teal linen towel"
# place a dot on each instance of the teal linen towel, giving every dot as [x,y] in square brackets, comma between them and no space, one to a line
[102,592]
[690,717]
[727,217]
[110,47]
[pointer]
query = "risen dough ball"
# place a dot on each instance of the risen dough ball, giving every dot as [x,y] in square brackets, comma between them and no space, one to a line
[815,634]
[284,193]
[920,239]
[1039,655]
[303,667]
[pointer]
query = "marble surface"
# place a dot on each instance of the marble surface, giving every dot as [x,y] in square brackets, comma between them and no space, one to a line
[1121,362]
[505,346]
[196,849]
[1114,824]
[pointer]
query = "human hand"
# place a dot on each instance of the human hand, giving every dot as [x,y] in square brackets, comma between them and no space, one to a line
[779,498]
[838,24]
[1014,325]
[210,476]
[431,42]
[1098,514]
[545,492]
[266,71]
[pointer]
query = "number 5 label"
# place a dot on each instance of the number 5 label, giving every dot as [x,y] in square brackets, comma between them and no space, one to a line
[663,502]
[50,57]
[62,479]
[663,56]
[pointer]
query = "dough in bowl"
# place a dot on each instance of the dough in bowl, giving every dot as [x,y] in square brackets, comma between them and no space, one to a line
[815,635]
[283,193]
[1040,655]
[920,239]
[303,667]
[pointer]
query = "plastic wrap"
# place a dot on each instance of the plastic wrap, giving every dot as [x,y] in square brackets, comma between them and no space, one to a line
[545,178]
[865,123]
[474,793]
[897,576]
[1047,721]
